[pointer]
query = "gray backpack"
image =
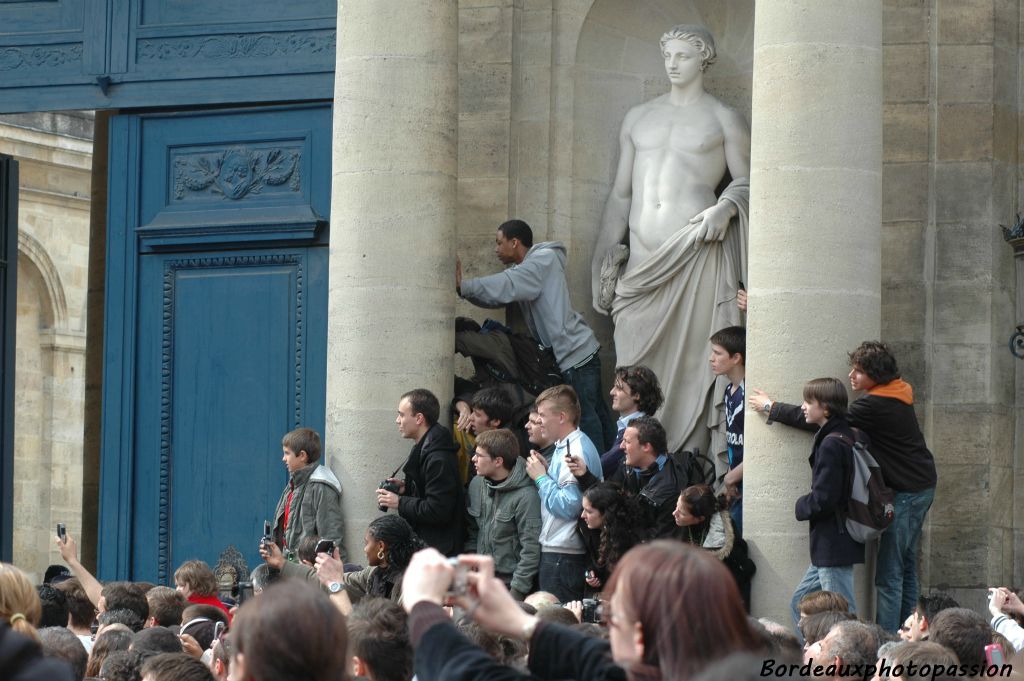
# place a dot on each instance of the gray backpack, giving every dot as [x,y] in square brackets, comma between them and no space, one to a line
[871,508]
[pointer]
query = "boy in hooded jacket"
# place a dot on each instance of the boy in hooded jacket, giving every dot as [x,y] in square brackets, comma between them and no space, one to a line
[503,511]
[310,504]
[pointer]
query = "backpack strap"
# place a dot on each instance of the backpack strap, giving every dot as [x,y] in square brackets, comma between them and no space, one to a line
[847,479]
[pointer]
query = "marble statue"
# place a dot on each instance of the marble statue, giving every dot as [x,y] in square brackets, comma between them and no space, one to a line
[677,282]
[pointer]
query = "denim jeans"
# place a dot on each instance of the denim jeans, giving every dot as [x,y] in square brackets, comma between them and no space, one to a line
[896,570]
[595,416]
[838,579]
[562,575]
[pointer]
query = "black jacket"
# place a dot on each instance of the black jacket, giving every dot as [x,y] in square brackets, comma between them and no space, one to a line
[21,659]
[434,499]
[831,463]
[896,439]
[556,652]
[655,491]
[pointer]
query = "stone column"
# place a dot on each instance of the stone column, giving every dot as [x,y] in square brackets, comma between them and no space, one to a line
[392,262]
[814,274]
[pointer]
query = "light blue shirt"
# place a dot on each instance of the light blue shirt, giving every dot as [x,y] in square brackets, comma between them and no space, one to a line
[621,424]
[560,496]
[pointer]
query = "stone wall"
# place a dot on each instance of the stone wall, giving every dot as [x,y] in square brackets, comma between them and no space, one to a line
[951,89]
[485,121]
[55,156]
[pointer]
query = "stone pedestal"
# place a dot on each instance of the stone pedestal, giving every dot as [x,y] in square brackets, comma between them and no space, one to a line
[814,274]
[392,276]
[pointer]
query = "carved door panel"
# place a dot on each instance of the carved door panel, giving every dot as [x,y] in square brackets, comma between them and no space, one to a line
[8,319]
[216,327]
[100,54]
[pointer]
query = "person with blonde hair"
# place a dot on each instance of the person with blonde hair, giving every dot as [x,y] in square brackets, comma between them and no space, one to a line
[19,603]
[21,656]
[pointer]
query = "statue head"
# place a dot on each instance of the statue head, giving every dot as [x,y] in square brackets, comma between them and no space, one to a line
[698,36]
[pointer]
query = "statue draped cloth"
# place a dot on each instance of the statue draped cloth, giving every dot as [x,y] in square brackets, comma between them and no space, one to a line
[666,309]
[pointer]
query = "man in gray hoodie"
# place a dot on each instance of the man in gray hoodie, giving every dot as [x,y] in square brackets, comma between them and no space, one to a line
[536,280]
[503,511]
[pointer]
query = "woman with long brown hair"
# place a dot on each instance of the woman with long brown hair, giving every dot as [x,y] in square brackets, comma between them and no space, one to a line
[671,609]
[675,610]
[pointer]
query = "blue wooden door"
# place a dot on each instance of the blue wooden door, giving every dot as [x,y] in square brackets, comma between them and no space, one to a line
[216,327]
[8,320]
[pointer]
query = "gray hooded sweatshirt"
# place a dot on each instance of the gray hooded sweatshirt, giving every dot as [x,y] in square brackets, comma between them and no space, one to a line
[538,285]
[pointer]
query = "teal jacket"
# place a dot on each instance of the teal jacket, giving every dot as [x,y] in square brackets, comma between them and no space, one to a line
[503,519]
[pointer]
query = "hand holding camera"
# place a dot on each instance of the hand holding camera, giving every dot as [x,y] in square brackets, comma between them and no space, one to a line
[329,569]
[66,545]
[432,577]
[271,554]
[388,492]
[536,465]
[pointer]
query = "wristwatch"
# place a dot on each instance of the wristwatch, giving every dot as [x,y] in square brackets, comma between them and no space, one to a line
[336,587]
[767,407]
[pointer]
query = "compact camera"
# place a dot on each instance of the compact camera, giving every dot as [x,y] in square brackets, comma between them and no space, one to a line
[388,486]
[591,611]
[242,591]
[460,582]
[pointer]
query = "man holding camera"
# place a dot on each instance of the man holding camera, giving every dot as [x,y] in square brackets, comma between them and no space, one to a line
[431,497]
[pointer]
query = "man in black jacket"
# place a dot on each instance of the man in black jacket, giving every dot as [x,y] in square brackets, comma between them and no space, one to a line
[431,497]
[647,473]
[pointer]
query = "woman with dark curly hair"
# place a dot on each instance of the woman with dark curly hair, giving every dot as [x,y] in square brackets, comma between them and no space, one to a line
[608,526]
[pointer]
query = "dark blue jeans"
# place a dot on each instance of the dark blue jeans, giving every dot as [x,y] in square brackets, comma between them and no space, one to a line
[562,575]
[595,416]
[896,569]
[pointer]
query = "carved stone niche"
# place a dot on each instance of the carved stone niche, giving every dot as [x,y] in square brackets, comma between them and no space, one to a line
[618,64]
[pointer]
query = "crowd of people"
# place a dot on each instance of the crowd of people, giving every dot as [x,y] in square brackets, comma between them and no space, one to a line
[541,537]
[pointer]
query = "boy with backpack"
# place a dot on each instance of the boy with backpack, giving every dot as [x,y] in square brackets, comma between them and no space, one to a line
[833,551]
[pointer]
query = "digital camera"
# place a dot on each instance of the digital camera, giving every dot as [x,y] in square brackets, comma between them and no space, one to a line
[388,486]
[591,611]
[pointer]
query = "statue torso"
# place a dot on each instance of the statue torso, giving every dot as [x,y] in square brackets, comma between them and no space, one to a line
[680,159]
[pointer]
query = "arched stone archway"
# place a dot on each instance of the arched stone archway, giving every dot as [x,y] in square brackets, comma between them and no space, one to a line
[48,376]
